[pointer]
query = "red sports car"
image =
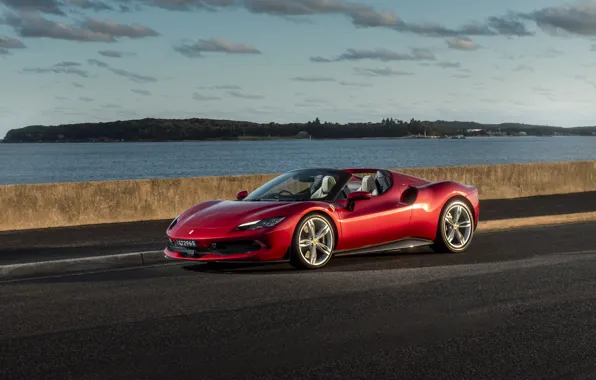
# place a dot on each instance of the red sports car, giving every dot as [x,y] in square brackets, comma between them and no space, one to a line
[306,216]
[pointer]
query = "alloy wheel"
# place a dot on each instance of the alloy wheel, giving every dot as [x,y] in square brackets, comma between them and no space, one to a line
[316,241]
[458,225]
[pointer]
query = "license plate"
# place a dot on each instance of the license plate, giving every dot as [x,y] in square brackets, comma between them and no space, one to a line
[186,243]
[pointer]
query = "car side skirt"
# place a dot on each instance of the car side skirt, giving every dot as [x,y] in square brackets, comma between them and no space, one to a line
[410,242]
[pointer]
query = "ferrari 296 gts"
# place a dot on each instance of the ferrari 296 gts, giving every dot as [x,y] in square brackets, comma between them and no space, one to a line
[308,216]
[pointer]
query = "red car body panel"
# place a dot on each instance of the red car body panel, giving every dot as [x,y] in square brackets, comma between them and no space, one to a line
[408,209]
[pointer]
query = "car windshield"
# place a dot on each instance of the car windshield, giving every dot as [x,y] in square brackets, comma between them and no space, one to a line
[302,185]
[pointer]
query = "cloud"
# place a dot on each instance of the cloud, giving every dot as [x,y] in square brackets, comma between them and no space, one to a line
[133,76]
[114,29]
[313,79]
[551,53]
[542,90]
[58,68]
[141,92]
[138,78]
[384,55]
[186,5]
[386,72]
[509,25]
[114,54]
[111,106]
[78,85]
[355,84]
[226,87]
[214,45]
[7,44]
[360,14]
[447,65]
[33,25]
[523,68]
[11,43]
[585,79]
[461,43]
[86,99]
[90,30]
[94,5]
[578,18]
[67,64]
[200,97]
[513,57]
[237,94]
[44,6]
[98,63]
[438,30]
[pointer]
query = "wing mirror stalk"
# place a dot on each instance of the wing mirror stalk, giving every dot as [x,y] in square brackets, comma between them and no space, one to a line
[357,196]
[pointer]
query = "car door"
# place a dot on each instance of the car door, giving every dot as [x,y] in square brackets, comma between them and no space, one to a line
[381,219]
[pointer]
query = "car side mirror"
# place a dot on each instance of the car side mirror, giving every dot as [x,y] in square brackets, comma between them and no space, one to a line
[357,196]
[241,195]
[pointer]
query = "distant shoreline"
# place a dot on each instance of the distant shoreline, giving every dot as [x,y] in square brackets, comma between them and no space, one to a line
[169,130]
[273,139]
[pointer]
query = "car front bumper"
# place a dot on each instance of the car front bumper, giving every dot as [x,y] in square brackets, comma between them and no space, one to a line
[261,245]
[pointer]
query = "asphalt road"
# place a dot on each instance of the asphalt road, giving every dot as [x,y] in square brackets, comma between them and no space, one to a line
[83,241]
[518,305]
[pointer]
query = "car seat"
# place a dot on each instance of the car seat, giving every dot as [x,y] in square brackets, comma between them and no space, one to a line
[368,184]
[326,186]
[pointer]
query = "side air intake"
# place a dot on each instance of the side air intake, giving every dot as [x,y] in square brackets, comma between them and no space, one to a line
[409,195]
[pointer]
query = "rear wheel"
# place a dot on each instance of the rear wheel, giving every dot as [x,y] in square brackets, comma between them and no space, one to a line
[313,242]
[456,228]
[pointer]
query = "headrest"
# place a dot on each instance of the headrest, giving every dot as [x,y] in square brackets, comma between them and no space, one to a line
[368,184]
[328,183]
[316,183]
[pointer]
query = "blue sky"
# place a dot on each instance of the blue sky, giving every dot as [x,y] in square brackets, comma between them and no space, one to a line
[70,61]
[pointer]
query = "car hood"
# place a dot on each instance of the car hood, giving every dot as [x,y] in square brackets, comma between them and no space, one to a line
[229,214]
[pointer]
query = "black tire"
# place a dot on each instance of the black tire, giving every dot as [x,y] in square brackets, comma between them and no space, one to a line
[297,258]
[443,243]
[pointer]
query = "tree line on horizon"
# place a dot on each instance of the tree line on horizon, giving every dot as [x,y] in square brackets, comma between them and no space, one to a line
[205,129]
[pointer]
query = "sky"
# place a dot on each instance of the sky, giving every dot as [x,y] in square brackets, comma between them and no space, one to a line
[75,61]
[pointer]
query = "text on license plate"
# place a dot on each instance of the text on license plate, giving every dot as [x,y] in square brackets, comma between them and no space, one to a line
[186,243]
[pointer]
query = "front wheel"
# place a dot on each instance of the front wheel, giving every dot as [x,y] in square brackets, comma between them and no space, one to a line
[313,243]
[456,228]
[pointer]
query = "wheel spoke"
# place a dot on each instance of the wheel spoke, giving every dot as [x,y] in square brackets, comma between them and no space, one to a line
[305,243]
[326,250]
[449,219]
[460,237]
[313,254]
[311,229]
[324,231]
[451,234]
[465,224]
[457,214]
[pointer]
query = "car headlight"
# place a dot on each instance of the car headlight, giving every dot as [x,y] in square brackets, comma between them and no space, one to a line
[264,223]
